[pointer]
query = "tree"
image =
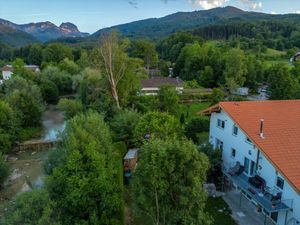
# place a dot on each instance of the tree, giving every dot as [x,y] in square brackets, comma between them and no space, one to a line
[217,95]
[61,79]
[281,84]
[94,92]
[214,174]
[8,127]
[35,55]
[34,207]
[70,107]
[56,52]
[207,77]
[114,62]
[157,125]
[26,100]
[123,125]
[168,99]
[69,66]
[235,69]
[195,127]
[49,90]
[168,183]
[146,51]
[87,185]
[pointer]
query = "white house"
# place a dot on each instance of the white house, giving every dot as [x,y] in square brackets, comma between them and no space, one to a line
[7,71]
[150,86]
[260,143]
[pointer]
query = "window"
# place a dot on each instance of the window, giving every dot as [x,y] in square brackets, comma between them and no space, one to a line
[219,144]
[235,130]
[233,153]
[221,123]
[280,183]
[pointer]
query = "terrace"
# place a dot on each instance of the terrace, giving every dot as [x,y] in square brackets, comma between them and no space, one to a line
[267,200]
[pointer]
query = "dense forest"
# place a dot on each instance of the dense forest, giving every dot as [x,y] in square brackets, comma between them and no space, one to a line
[108,116]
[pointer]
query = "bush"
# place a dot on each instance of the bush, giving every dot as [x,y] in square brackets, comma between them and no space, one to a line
[70,107]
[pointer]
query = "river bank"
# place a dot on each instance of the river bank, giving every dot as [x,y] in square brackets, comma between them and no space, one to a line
[26,167]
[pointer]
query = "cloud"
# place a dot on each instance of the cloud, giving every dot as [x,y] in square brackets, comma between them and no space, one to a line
[253,4]
[208,4]
[133,3]
[297,12]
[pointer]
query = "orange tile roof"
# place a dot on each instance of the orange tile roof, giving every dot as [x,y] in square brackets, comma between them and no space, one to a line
[281,144]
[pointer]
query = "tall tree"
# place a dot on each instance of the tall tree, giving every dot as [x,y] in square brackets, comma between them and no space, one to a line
[168,184]
[114,62]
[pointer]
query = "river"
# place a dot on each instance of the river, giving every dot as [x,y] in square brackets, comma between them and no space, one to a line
[27,166]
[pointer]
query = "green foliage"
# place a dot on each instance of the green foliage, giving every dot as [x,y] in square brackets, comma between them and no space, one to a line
[157,125]
[94,93]
[168,183]
[90,178]
[196,126]
[35,55]
[123,125]
[25,99]
[61,79]
[28,133]
[32,207]
[214,174]
[235,69]
[69,66]
[146,51]
[207,77]
[56,52]
[70,107]
[8,127]
[217,95]
[49,90]
[282,85]
[4,170]
[168,99]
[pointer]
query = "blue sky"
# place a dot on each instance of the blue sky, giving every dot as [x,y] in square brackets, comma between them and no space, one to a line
[91,15]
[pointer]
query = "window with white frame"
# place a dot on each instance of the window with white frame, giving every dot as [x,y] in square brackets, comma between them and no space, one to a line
[221,123]
[248,140]
[235,130]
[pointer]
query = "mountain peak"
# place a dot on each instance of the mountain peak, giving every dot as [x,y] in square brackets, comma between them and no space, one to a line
[69,28]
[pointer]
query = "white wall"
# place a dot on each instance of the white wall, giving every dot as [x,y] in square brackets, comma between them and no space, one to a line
[6,75]
[243,148]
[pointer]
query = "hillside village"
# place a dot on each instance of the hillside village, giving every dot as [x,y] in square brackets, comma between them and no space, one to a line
[192,118]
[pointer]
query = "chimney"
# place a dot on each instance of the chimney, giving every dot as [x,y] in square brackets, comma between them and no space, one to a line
[261,131]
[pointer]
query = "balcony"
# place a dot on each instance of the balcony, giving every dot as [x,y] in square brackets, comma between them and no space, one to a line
[262,198]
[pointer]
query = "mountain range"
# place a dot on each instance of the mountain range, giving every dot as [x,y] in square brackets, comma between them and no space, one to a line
[153,28]
[36,32]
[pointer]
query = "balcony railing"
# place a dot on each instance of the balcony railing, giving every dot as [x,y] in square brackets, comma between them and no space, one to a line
[263,198]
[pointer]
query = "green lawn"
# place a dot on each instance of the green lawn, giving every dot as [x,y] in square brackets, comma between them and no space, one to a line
[190,110]
[219,211]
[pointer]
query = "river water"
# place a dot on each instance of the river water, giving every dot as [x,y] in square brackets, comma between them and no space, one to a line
[27,166]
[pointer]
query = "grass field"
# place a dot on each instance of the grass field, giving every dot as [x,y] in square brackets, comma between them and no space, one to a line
[190,110]
[219,211]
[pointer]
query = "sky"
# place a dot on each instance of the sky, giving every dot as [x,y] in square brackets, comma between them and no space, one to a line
[92,15]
